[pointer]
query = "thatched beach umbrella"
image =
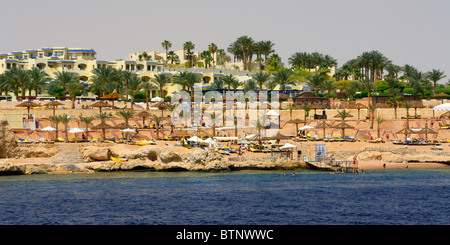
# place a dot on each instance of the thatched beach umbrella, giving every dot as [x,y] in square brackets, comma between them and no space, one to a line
[181,133]
[103,126]
[143,114]
[160,105]
[427,131]
[343,126]
[406,131]
[100,105]
[296,122]
[417,104]
[277,136]
[27,104]
[358,106]
[54,104]
[112,97]
[323,126]
[442,96]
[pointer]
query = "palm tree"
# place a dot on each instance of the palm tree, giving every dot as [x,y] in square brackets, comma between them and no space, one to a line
[369,86]
[246,43]
[157,120]
[315,81]
[172,56]
[329,86]
[134,87]
[65,119]
[126,115]
[125,76]
[261,78]
[229,80]
[64,78]
[188,46]
[267,49]
[306,109]
[87,120]
[166,45]
[435,75]
[372,109]
[408,105]
[72,88]
[217,85]
[102,76]
[291,106]
[250,85]
[18,77]
[56,120]
[147,87]
[38,78]
[284,77]
[380,120]
[161,81]
[213,49]
[395,101]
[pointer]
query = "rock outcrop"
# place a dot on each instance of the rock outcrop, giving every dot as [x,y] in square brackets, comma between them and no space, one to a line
[7,140]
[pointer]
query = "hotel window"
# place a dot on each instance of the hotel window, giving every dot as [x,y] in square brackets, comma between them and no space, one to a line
[59,53]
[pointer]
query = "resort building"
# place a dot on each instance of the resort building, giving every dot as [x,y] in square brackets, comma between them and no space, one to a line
[81,62]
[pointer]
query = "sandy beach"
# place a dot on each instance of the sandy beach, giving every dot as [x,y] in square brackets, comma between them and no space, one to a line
[369,155]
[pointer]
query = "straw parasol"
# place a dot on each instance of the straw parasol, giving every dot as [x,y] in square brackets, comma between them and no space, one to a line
[358,106]
[406,131]
[27,104]
[123,125]
[54,104]
[112,96]
[143,114]
[296,122]
[427,131]
[100,105]
[323,126]
[442,96]
[103,126]
[277,136]
[160,105]
[181,133]
[343,126]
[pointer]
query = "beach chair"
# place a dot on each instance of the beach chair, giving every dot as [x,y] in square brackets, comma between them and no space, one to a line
[435,147]
[402,147]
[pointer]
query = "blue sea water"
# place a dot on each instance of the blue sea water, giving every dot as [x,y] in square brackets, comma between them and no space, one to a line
[378,197]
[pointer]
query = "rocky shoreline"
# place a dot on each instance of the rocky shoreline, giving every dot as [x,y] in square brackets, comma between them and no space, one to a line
[85,158]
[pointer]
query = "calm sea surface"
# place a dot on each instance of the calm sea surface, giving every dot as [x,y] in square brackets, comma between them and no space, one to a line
[378,197]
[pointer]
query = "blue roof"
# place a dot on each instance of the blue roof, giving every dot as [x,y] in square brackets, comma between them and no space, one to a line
[32,50]
[102,61]
[12,60]
[16,52]
[166,73]
[218,74]
[68,61]
[47,48]
[153,62]
[81,51]
[3,54]
[130,61]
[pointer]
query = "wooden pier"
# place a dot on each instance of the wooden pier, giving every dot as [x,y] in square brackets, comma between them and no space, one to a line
[316,159]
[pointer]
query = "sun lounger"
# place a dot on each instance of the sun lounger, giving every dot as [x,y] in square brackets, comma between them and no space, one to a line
[402,147]
[435,147]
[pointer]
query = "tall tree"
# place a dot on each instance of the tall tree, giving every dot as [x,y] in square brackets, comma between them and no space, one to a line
[166,44]
[188,47]
[134,87]
[38,78]
[161,81]
[213,50]
[65,119]
[64,78]
[246,43]
[87,120]
[435,75]
[284,77]
[261,78]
